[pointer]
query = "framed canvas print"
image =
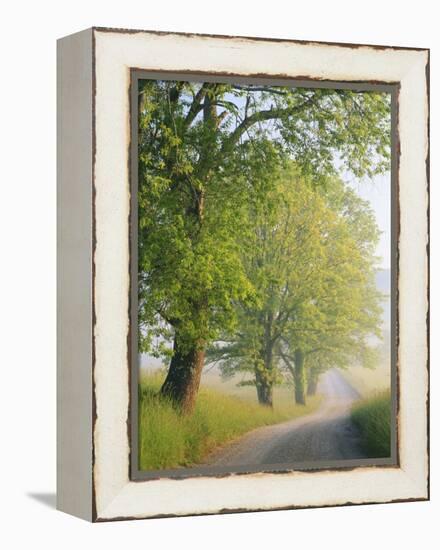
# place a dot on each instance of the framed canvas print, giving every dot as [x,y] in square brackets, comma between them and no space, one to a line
[242,274]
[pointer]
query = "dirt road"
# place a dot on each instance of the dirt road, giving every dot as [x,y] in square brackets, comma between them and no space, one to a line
[325,435]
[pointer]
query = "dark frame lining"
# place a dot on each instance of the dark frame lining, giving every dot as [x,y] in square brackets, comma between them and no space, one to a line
[316,466]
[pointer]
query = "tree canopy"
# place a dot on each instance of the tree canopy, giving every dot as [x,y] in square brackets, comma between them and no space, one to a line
[207,151]
[311,262]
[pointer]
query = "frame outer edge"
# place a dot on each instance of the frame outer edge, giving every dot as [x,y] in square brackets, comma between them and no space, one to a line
[74,274]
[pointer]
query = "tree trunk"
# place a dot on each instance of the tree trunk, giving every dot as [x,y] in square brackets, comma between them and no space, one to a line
[183,379]
[299,378]
[264,388]
[312,382]
[263,369]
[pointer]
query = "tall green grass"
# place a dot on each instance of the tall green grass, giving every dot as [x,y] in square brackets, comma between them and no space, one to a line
[373,418]
[167,439]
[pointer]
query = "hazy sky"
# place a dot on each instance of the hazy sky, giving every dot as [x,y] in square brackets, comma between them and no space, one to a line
[378,193]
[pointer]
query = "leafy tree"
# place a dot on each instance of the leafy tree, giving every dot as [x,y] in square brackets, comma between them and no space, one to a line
[350,306]
[205,150]
[312,266]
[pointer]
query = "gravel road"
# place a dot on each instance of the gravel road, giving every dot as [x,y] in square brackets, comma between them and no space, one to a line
[328,434]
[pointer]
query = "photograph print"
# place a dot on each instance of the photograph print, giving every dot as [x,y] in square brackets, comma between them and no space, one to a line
[263,275]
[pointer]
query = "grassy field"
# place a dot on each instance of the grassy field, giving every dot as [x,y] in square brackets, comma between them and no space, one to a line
[211,379]
[372,416]
[169,440]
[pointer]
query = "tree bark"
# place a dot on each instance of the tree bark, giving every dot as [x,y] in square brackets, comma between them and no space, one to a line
[264,388]
[299,378]
[263,369]
[312,382]
[183,379]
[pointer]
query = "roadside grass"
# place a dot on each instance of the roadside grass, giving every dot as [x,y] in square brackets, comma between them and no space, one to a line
[372,415]
[169,440]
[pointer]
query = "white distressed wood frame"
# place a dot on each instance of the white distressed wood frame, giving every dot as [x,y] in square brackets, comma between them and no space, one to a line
[93,267]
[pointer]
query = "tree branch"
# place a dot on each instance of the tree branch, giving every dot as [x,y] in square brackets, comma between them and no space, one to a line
[260,116]
[196,106]
[259,89]
[287,361]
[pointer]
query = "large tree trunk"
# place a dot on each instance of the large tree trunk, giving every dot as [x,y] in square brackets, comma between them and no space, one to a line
[312,382]
[299,378]
[183,379]
[264,388]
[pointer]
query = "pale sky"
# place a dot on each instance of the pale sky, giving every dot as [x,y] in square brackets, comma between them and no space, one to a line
[378,193]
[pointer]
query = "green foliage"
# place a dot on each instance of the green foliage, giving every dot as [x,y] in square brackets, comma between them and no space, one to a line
[373,418]
[169,440]
[208,151]
[311,262]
